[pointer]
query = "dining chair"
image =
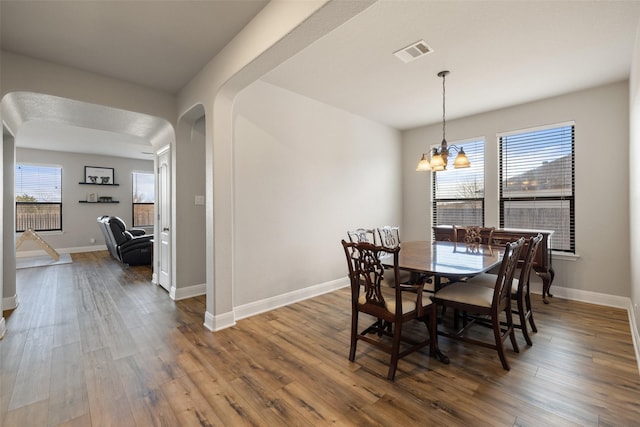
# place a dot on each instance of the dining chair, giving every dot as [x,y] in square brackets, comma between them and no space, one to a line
[362,235]
[389,237]
[486,302]
[520,293]
[389,306]
[473,235]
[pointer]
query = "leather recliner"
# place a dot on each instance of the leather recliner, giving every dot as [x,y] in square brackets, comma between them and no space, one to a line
[133,247]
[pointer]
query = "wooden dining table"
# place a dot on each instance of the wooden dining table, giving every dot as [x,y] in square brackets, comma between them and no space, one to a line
[450,260]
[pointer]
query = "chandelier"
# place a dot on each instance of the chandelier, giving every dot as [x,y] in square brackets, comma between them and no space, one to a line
[440,155]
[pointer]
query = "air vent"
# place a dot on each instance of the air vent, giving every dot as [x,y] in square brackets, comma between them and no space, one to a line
[413,51]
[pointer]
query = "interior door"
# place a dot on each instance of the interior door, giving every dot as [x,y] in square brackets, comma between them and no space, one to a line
[164,220]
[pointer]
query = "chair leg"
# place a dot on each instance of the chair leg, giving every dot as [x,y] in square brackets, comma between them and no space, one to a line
[523,321]
[395,350]
[530,312]
[354,335]
[510,330]
[497,333]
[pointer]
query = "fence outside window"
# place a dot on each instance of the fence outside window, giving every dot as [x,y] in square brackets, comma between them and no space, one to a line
[38,216]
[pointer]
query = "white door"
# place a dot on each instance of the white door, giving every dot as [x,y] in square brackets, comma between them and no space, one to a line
[164,220]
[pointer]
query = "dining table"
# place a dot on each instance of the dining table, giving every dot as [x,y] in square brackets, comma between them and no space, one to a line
[451,260]
[439,260]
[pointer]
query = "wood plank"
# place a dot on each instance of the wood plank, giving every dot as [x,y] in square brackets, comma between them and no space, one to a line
[95,343]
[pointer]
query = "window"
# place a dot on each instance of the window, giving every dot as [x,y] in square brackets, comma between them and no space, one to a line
[38,196]
[144,197]
[458,194]
[537,182]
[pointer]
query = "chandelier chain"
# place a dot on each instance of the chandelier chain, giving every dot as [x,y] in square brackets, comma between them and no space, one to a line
[444,76]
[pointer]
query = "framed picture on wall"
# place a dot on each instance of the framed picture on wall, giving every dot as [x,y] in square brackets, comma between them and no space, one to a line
[98,175]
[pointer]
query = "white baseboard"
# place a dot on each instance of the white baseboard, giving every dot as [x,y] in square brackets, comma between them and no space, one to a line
[634,332]
[217,323]
[177,294]
[257,307]
[3,327]
[40,252]
[10,303]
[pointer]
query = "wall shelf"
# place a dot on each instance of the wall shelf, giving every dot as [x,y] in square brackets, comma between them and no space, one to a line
[97,183]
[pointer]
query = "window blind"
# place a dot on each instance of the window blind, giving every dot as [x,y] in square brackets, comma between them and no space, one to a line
[458,194]
[537,182]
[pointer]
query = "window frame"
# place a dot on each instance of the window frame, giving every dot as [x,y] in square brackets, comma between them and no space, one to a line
[481,141]
[20,225]
[134,204]
[542,198]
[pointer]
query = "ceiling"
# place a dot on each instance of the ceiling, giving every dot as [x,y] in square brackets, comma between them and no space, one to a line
[499,53]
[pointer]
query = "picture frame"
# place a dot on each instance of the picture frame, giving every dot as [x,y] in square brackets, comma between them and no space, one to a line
[98,175]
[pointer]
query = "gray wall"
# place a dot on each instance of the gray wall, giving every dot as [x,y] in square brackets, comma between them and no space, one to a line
[304,174]
[79,219]
[601,118]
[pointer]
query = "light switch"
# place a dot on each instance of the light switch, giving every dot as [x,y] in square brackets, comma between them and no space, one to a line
[199,200]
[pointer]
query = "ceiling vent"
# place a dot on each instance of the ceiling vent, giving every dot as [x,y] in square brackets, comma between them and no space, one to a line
[413,51]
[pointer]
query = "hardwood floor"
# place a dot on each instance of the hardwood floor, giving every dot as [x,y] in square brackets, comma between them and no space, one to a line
[95,343]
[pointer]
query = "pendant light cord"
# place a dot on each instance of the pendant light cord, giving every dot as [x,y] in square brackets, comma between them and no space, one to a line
[444,76]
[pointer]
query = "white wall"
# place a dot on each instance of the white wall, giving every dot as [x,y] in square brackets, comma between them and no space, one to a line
[601,117]
[634,180]
[79,219]
[304,173]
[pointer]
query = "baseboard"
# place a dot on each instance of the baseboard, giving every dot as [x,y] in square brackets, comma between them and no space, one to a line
[10,303]
[40,252]
[585,296]
[217,323]
[3,327]
[177,294]
[634,332]
[257,307]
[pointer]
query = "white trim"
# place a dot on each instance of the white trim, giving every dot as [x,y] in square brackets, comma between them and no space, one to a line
[217,323]
[634,332]
[177,294]
[154,278]
[584,296]
[10,303]
[40,252]
[277,301]
[3,327]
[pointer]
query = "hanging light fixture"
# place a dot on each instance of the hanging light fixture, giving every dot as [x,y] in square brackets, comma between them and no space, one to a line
[440,156]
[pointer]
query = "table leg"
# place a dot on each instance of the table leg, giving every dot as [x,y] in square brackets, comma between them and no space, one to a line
[434,350]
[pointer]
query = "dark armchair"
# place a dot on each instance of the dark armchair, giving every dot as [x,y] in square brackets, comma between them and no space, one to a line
[133,247]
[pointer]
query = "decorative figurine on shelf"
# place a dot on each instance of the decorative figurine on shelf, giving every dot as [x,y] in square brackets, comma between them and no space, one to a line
[94,179]
[105,179]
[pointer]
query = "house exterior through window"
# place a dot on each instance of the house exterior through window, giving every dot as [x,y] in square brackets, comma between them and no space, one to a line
[144,197]
[537,185]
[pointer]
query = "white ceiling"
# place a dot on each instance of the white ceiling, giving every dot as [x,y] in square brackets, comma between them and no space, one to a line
[500,53]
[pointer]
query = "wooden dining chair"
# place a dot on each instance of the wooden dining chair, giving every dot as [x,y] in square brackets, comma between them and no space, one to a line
[485,302]
[394,306]
[362,235]
[520,289]
[473,235]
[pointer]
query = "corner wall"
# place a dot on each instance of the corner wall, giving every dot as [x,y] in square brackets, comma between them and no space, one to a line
[601,116]
[304,174]
[634,189]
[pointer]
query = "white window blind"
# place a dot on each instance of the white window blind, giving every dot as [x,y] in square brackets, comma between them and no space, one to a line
[537,182]
[458,194]
[38,197]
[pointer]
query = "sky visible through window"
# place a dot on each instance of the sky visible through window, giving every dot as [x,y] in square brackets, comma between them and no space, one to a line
[143,187]
[44,183]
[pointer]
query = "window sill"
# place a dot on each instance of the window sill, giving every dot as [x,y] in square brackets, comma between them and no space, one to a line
[564,256]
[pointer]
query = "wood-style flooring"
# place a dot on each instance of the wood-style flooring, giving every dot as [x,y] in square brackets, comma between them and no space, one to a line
[94,343]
